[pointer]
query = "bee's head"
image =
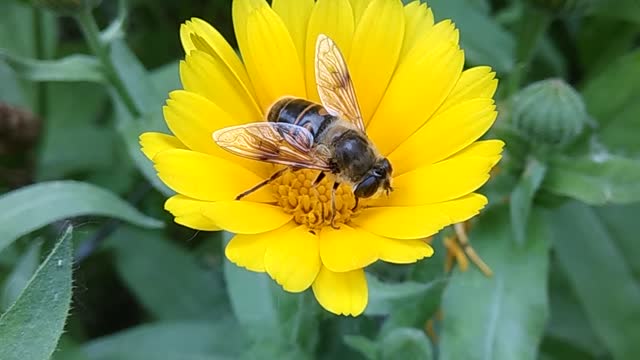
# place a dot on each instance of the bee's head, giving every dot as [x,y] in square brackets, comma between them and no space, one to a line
[378,177]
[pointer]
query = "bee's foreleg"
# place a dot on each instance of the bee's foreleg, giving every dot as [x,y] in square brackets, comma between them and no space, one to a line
[333,205]
[262,183]
[356,203]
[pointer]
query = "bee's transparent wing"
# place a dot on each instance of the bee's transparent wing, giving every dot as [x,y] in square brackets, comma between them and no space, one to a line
[279,143]
[334,83]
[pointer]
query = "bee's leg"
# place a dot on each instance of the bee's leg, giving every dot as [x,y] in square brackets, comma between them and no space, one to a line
[319,178]
[262,183]
[356,204]
[333,205]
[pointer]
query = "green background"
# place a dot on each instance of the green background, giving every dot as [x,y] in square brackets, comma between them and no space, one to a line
[92,267]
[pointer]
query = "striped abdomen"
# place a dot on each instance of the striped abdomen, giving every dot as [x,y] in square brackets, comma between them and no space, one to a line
[301,112]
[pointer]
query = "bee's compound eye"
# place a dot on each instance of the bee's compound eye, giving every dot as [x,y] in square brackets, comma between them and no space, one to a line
[367,187]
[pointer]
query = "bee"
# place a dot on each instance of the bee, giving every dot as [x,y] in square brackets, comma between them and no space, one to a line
[329,137]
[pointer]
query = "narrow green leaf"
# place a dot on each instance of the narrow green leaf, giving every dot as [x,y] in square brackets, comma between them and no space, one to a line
[496,46]
[71,68]
[30,207]
[184,340]
[598,180]
[611,98]
[31,327]
[406,343]
[166,279]
[135,78]
[521,199]
[19,277]
[502,317]
[600,276]
[130,132]
[368,348]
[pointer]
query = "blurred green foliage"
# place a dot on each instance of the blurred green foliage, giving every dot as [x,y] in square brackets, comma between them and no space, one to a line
[560,232]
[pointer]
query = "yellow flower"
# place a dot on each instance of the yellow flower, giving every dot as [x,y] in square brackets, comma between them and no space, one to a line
[422,111]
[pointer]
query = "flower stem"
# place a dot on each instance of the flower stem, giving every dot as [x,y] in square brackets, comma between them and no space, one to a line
[92,35]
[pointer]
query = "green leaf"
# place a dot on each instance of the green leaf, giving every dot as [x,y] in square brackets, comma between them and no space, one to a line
[611,98]
[299,318]
[135,78]
[61,156]
[385,297]
[268,314]
[30,207]
[406,343]
[19,277]
[166,279]
[598,180]
[522,195]
[71,68]
[502,317]
[569,323]
[368,348]
[600,276]
[251,300]
[495,47]
[618,9]
[601,41]
[183,340]
[32,326]
[622,223]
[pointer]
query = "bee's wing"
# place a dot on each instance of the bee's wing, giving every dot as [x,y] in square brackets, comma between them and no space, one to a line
[334,83]
[279,143]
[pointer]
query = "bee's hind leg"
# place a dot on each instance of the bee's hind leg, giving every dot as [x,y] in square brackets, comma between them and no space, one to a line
[264,182]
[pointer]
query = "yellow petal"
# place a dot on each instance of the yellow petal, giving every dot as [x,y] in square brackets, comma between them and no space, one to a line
[444,135]
[333,18]
[416,222]
[193,119]
[403,251]
[418,21]
[359,6]
[475,83]
[153,143]
[269,53]
[420,85]
[215,45]
[449,179]
[347,249]
[342,293]
[188,212]
[207,76]
[205,177]
[488,148]
[248,250]
[246,217]
[375,50]
[293,260]
[295,15]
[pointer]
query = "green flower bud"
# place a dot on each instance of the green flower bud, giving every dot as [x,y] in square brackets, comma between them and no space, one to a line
[556,7]
[65,6]
[549,113]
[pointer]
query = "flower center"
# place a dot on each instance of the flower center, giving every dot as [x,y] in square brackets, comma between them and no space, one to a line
[311,205]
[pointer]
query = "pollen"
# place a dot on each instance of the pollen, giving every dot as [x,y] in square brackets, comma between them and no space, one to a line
[311,205]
